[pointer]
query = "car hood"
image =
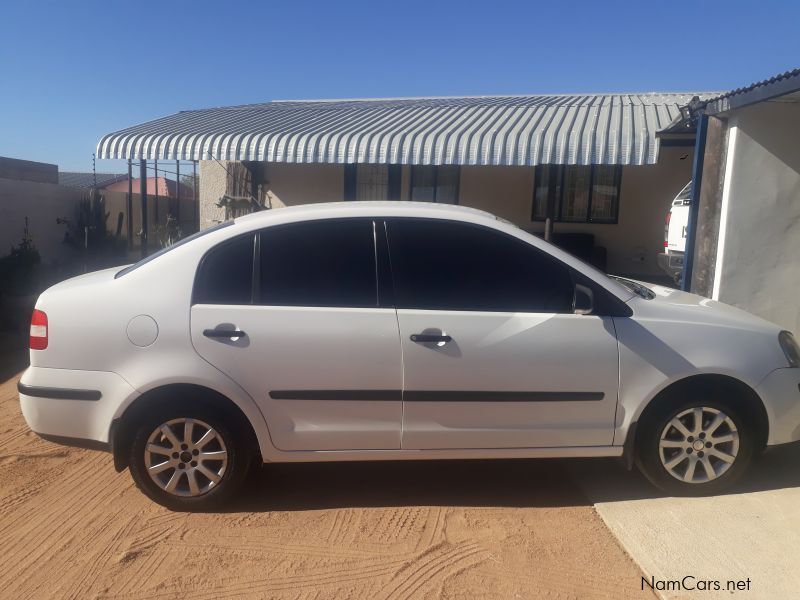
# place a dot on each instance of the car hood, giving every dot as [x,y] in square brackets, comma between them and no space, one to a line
[669,303]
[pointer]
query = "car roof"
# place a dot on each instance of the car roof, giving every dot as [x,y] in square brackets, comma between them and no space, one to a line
[364,209]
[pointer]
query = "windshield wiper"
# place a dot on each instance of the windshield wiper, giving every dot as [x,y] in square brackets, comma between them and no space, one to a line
[636,288]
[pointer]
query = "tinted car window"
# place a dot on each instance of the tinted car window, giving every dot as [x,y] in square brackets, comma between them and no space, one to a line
[446,265]
[319,263]
[226,273]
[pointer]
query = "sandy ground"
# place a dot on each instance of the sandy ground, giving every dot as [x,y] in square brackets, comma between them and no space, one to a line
[71,527]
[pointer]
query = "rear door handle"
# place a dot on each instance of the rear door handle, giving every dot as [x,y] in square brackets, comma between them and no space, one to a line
[426,338]
[223,333]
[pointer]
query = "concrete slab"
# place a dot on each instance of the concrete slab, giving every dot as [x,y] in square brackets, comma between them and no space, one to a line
[749,537]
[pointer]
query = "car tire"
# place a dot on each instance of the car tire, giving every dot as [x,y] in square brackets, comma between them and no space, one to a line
[669,442]
[189,458]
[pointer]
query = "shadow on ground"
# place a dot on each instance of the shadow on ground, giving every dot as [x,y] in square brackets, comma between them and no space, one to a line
[478,483]
[14,356]
[608,481]
[487,483]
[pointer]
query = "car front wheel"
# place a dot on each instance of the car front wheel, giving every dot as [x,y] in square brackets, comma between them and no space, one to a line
[695,448]
[188,459]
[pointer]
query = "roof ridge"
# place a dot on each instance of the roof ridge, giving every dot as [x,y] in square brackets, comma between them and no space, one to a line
[333,101]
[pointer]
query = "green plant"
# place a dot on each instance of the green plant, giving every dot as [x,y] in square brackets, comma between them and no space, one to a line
[88,232]
[169,233]
[19,268]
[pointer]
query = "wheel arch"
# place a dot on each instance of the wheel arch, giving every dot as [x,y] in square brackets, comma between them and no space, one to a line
[744,397]
[122,428]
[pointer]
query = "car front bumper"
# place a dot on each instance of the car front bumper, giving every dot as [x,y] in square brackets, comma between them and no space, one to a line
[780,391]
[72,407]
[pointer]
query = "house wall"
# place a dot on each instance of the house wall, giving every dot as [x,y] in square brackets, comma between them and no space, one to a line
[632,244]
[286,183]
[645,196]
[757,266]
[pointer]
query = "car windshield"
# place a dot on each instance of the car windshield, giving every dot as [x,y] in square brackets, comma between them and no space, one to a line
[163,251]
[685,193]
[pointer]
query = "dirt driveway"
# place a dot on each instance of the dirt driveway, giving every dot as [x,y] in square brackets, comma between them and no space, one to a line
[71,527]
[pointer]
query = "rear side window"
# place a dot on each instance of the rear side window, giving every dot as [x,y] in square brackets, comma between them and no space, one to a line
[226,273]
[446,265]
[319,263]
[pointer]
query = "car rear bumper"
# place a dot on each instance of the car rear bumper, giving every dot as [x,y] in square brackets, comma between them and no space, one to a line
[72,407]
[780,391]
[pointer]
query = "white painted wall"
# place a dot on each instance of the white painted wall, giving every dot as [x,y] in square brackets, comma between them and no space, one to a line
[760,264]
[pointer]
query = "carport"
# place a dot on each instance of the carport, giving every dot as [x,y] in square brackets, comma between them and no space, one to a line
[591,172]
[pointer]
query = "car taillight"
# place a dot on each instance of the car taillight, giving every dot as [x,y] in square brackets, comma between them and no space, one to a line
[38,330]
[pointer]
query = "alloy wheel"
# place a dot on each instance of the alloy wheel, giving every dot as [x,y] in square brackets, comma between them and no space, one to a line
[185,457]
[698,445]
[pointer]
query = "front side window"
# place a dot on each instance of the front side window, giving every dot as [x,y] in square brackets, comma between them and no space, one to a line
[446,265]
[579,194]
[225,274]
[319,263]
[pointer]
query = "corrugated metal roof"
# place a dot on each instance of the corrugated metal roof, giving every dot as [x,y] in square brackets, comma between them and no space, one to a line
[488,130]
[781,84]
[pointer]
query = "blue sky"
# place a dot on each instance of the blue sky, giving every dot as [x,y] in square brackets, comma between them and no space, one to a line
[72,71]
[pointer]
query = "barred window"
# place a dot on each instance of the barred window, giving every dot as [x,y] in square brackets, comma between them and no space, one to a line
[580,194]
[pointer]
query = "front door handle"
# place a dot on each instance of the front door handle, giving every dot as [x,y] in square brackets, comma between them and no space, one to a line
[428,338]
[223,333]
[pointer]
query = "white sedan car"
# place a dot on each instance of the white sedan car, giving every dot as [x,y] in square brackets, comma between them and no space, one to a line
[391,330]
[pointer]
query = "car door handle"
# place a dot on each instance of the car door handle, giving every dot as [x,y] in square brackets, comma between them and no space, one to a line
[425,338]
[223,333]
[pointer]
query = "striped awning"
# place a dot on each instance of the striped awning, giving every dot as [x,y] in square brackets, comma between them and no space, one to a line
[502,130]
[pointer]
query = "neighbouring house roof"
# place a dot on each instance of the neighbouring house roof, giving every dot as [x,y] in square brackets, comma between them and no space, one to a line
[119,183]
[87,180]
[486,130]
[779,85]
[28,170]
[155,185]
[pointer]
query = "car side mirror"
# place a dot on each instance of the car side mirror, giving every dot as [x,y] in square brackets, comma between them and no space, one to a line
[583,302]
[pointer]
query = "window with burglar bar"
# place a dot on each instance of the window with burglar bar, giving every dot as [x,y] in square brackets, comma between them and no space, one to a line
[435,183]
[579,194]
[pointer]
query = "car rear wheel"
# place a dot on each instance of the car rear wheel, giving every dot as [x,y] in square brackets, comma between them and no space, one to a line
[697,447]
[188,459]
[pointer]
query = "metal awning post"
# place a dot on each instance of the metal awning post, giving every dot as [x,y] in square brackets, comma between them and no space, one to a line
[194,191]
[694,207]
[143,198]
[129,206]
[155,199]
[178,192]
[551,204]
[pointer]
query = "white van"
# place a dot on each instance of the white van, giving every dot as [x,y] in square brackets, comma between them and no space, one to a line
[671,260]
